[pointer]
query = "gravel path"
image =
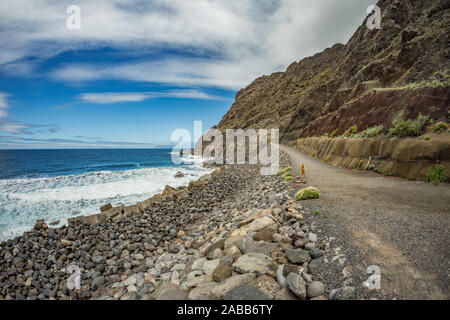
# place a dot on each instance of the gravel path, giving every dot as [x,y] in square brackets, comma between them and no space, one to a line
[401,226]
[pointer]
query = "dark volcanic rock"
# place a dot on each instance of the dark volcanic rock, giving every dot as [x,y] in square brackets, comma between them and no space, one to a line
[245,292]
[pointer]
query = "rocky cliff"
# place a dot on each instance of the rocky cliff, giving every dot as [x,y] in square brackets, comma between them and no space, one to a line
[403,66]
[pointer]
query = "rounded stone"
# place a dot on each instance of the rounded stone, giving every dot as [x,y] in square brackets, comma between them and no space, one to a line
[297,256]
[268,285]
[297,285]
[315,289]
[245,292]
[315,252]
[221,273]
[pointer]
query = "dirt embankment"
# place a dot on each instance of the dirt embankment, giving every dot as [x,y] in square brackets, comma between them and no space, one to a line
[407,158]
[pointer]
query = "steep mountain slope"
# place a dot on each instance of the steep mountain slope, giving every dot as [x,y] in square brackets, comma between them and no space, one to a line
[366,82]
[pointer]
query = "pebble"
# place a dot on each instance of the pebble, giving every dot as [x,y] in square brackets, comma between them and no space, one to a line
[312,237]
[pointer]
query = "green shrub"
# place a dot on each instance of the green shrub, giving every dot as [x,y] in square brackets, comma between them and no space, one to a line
[440,127]
[426,138]
[407,128]
[360,164]
[370,132]
[288,176]
[350,132]
[371,167]
[436,174]
[307,193]
[283,171]
[327,158]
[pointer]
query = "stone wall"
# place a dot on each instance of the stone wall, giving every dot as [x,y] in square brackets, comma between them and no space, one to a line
[407,158]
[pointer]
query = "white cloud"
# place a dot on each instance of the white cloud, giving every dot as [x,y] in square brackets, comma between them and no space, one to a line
[11,126]
[118,97]
[245,38]
[106,98]
[3,104]
[3,100]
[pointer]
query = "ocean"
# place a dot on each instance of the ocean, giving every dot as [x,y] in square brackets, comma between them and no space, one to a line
[59,184]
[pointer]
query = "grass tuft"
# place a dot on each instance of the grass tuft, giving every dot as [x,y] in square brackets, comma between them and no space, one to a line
[407,128]
[436,174]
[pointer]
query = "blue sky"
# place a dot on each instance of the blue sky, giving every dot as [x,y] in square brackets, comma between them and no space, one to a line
[137,70]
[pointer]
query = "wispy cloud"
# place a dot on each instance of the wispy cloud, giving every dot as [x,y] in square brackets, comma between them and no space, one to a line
[112,97]
[222,43]
[15,127]
[75,143]
[119,97]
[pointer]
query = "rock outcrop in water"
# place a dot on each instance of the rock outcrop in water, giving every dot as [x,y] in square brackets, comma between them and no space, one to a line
[366,82]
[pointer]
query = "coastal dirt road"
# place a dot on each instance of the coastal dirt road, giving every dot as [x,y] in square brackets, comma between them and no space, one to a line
[399,225]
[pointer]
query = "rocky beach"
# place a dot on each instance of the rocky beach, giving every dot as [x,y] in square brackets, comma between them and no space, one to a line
[237,235]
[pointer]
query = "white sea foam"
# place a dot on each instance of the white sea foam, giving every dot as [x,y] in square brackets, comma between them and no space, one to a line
[23,201]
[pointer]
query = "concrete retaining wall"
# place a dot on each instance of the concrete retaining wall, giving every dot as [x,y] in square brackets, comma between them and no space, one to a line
[407,158]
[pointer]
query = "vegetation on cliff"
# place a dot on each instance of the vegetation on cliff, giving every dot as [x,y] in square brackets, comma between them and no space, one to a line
[436,174]
[363,84]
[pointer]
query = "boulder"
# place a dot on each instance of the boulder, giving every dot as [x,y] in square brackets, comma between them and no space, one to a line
[202,292]
[179,174]
[285,294]
[245,292]
[220,290]
[260,214]
[232,241]
[233,253]
[297,285]
[268,285]
[280,276]
[315,289]
[265,234]
[298,256]
[255,262]
[106,207]
[40,225]
[254,226]
[210,265]
[195,282]
[220,273]
[172,293]
[167,190]
[344,293]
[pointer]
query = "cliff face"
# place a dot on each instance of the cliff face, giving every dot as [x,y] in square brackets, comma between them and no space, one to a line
[366,82]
